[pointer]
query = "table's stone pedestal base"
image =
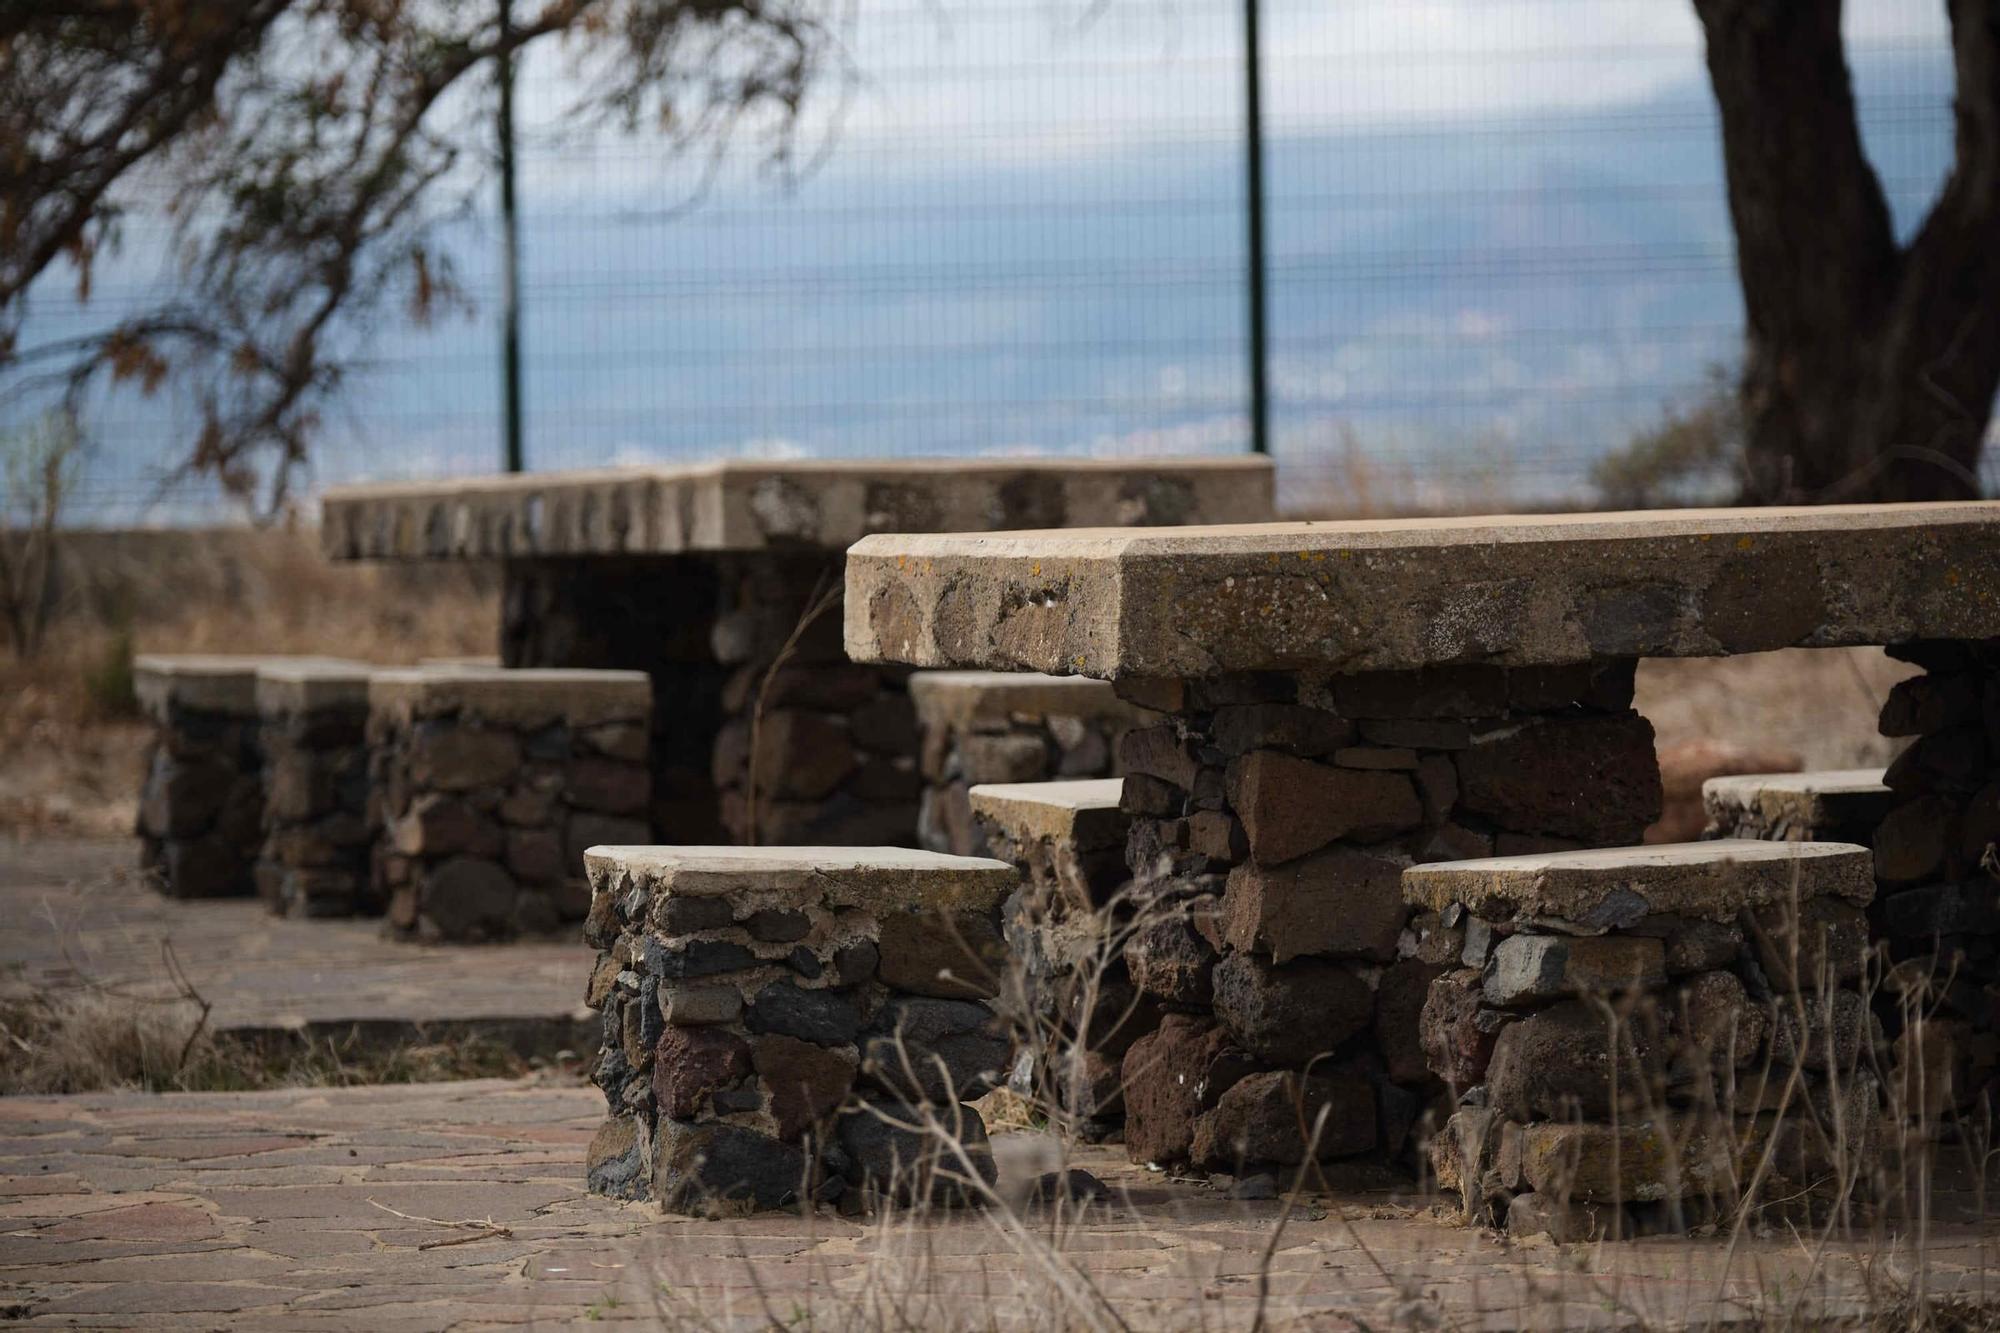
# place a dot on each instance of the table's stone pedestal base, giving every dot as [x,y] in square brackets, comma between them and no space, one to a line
[1274,814]
[1069,996]
[984,727]
[791,1023]
[634,613]
[316,853]
[489,784]
[814,749]
[1628,1032]
[726,640]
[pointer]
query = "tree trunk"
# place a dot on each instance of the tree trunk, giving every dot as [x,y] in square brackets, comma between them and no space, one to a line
[1870,368]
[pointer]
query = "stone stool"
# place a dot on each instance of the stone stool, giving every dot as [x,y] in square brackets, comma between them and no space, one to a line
[201,812]
[488,786]
[315,856]
[1070,998]
[1937,873]
[789,1022]
[1628,1029]
[1939,991]
[1008,727]
[1838,805]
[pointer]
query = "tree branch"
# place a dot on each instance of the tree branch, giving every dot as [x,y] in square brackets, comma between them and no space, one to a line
[1812,225]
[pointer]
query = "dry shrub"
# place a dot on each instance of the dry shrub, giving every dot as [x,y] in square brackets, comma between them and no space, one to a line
[69,738]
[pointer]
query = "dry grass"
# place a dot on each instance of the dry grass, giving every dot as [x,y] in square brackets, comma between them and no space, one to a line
[1841,1244]
[98,1040]
[69,744]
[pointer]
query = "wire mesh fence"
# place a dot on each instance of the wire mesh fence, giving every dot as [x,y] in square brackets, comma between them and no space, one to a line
[1498,246]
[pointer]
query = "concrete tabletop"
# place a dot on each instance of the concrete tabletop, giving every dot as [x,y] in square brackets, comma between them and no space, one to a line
[741,505]
[1515,591]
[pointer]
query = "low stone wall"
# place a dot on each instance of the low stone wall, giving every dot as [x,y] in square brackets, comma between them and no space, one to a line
[1272,820]
[1068,995]
[1008,727]
[317,845]
[1628,1031]
[201,811]
[489,784]
[782,1023]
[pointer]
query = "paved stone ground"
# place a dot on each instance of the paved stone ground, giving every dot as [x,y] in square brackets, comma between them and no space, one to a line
[79,910]
[461,1206]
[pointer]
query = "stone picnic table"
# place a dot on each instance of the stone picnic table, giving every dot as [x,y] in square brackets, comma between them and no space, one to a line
[1344,700]
[700,575]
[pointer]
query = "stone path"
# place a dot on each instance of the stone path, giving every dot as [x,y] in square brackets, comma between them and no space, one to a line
[461,1206]
[79,911]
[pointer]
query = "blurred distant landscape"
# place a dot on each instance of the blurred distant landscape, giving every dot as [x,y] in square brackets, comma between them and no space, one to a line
[1470,303]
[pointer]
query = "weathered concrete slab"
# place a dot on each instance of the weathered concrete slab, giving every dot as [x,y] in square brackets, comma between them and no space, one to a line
[963,698]
[1618,885]
[738,505]
[214,682]
[519,696]
[1836,798]
[871,878]
[1081,812]
[1360,596]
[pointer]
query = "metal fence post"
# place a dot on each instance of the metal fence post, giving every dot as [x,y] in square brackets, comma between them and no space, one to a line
[510,252]
[1253,156]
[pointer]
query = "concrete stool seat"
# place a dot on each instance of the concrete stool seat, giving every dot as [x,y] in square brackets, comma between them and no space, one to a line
[1067,837]
[318,837]
[490,783]
[989,727]
[1630,1028]
[785,1022]
[1833,805]
[1074,1008]
[201,813]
